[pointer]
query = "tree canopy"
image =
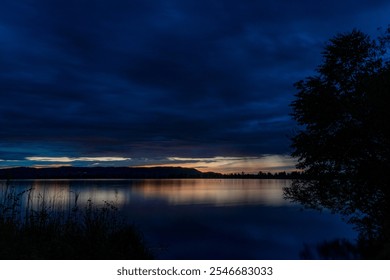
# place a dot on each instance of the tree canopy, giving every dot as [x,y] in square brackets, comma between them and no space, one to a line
[343,141]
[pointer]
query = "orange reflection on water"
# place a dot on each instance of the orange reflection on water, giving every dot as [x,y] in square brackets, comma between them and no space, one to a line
[215,192]
[65,194]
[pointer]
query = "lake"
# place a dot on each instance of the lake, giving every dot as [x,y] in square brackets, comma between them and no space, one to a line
[204,218]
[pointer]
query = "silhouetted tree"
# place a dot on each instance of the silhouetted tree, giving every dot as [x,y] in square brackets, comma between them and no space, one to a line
[343,143]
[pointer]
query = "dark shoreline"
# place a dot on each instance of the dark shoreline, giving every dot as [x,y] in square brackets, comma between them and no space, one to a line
[131,173]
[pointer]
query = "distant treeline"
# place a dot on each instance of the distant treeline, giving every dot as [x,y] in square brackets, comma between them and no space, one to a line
[266,175]
[129,173]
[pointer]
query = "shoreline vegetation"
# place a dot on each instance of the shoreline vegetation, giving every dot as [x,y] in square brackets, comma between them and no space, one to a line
[132,173]
[79,232]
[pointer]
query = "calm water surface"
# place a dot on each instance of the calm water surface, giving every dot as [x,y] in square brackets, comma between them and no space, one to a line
[204,218]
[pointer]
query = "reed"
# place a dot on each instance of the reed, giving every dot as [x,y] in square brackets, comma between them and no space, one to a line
[42,231]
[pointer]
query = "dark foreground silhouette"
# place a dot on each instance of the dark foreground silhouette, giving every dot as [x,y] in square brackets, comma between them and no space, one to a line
[77,233]
[343,143]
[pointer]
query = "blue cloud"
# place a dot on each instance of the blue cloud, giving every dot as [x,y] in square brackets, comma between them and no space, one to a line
[160,79]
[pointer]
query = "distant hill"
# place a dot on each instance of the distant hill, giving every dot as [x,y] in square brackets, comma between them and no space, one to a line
[99,173]
[132,173]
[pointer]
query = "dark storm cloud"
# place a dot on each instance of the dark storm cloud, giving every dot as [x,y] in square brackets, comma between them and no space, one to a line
[160,78]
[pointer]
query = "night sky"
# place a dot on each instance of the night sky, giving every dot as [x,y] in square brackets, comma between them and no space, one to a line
[194,83]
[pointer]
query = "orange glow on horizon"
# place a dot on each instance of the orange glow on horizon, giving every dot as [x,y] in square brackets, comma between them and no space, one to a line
[226,165]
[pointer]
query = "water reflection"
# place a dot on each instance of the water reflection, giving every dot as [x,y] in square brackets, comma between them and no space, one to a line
[214,192]
[63,194]
[200,218]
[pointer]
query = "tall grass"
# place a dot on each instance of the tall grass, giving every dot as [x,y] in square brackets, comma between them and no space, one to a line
[42,231]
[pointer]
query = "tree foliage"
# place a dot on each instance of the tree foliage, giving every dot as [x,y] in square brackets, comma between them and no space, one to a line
[343,142]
